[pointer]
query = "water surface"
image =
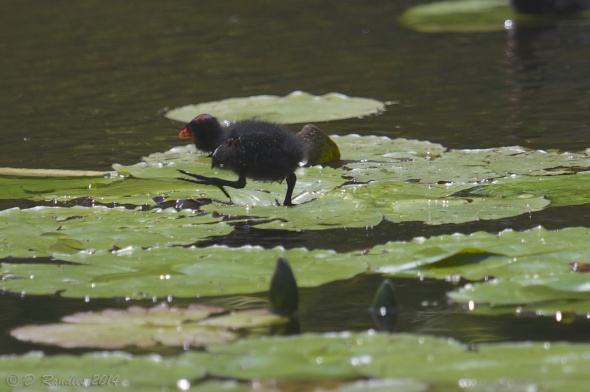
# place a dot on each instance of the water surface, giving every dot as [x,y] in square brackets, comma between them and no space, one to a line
[86,84]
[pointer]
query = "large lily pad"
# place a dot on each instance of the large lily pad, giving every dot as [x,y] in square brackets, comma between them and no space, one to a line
[520,268]
[179,272]
[409,180]
[513,269]
[441,362]
[388,359]
[297,107]
[436,204]
[413,361]
[70,230]
[551,187]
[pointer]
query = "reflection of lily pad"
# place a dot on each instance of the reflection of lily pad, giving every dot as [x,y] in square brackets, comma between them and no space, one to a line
[458,16]
[297,107]
[141,327]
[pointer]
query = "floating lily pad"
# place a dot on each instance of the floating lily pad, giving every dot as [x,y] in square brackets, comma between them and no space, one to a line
[435,204]
[432,176]
[403,360]
[521,268]
[34,188]
[458,16]
[297,107]
[70,230]
[160,325]
[440,362]
[399,179]
[179,272]
[551,187]
[98,372]
[55,173]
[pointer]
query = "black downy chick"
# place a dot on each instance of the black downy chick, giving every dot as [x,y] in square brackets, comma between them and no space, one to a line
[259,150]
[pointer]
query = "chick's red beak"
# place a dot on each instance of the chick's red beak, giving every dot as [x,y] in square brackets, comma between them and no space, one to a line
[185,134]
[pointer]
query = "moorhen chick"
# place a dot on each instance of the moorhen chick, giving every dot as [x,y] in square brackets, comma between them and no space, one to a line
[254,149]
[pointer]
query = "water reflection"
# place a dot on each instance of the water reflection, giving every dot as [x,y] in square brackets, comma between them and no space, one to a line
[422,308]
[542,59]
[88,87]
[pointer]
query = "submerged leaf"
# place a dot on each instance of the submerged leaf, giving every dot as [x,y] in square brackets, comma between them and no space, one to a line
[160,325]
[385,297]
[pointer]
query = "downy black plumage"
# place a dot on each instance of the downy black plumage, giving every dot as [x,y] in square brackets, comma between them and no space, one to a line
[254,149]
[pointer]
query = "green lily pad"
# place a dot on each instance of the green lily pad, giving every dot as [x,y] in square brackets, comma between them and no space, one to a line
[70,230]
[436,204]
[551,187]
[399,179]
[179,272]
[297,107]
[100,371]
[401,159]
[410,180]
[34,188]
[521,268]
[160,325]
[246,319]
[387,359]
[532,281]
[382,385]
[458,16]
[442,363]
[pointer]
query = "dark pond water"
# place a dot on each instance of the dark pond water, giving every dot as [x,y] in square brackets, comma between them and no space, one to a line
[85,84]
